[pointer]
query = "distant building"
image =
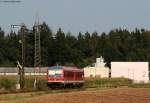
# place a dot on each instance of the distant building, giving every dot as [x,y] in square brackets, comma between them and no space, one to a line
[137,71]
[97,69]
[28,71]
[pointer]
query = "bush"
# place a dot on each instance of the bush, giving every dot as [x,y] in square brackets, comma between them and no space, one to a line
[29,84]
[42,85]
[7,84]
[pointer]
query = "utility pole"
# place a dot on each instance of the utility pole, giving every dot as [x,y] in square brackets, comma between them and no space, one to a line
[23,43]
[22,79]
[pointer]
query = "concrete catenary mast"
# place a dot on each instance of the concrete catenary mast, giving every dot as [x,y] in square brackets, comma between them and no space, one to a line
[23,46]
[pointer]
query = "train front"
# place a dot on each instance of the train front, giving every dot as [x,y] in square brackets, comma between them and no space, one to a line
[55,76]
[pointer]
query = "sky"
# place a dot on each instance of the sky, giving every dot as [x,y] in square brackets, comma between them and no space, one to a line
[78,15]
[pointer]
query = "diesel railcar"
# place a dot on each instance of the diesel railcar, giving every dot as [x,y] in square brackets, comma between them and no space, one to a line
[61,76]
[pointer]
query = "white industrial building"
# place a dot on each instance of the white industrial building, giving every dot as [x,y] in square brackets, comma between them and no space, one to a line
[98,69]
[137,71]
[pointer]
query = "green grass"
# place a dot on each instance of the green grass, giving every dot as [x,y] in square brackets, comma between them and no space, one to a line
[107,82]
[7,83]
[140,85]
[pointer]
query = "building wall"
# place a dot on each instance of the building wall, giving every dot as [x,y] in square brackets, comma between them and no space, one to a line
[137,71]
[99,69]
[96,72]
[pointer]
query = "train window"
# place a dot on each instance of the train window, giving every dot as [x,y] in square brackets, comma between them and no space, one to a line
[58,75]
[55,76]
[58,71]
[55,73]
[51,72]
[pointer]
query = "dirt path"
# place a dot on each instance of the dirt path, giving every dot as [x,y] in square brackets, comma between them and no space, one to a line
[119,95]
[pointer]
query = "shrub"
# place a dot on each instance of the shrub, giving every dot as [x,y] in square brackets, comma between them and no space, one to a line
[42,85]
[7,84]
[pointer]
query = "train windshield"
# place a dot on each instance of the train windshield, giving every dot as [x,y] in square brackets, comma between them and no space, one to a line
[55,73]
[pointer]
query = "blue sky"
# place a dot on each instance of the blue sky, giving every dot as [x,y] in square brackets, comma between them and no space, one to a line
[78,15]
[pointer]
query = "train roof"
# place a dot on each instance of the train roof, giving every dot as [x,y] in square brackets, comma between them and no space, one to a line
[64,68]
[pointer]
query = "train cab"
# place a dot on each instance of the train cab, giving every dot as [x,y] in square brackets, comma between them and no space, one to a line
[60,76]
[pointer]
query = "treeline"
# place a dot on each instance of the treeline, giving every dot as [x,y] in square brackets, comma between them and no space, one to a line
[81,50]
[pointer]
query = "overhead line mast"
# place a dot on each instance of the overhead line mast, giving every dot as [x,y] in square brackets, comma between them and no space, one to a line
[37,55]
[37,49]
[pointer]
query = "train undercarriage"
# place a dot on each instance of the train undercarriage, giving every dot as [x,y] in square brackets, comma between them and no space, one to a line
[64,85]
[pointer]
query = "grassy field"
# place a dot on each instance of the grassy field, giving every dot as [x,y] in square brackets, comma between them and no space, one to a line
[99,89]
[107,82]
[8,83]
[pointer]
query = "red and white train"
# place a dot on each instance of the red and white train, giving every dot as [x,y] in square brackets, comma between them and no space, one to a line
[61,76]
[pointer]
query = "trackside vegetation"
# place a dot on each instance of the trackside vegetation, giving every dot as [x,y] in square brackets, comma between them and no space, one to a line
[107,82]
[8,83]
